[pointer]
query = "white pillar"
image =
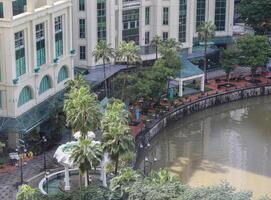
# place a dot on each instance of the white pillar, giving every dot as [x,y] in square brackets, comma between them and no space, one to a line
[180,88]
[30,6]
[67,179]
[202,85]
[103,170]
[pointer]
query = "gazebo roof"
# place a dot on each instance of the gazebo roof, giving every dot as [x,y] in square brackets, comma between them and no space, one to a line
[188,69]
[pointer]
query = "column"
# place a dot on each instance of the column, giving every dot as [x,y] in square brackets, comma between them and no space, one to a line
[67,179]
[50,2]
[202,85]
[30,6]
[8,13]
[180,88]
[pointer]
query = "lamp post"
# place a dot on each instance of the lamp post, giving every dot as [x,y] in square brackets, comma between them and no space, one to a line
[147,160]
[43,141]
[21,150]
[47,181]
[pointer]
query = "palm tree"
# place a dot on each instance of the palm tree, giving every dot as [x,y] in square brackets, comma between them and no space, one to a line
[85,154]
[117,140]
[206,32]
[103,52]
[171,44]
[82,110]
[155,42]
[128,53]
[228,60]
[27,193]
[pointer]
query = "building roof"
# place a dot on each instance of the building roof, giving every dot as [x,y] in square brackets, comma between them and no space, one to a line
[188,69]
[33,117]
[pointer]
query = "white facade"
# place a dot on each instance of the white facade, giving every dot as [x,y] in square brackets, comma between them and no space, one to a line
[115,22]
[18,73]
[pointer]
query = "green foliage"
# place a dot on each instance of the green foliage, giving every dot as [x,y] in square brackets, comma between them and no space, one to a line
[256,13]
[27,193]
[82,110]
[77,83]
[206,31]
[2,145]
[228,60]
[128,52]
[155,43]
[255,51]
[116,139]
[85,154]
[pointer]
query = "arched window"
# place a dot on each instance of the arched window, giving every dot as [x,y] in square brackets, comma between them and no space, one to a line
[25,96]
[45,84]
[62,74]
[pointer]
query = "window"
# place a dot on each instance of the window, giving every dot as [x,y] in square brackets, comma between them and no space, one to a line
[147,16]
[220,14]
[1,10]
[182,20]
[40,44]
[81,5]
[165,15]
[82,28]
[165,36]
[62,74]
[130,22]
[45,84]
[58,36]
[1,101]
[101,17]
[25,96]
[20,53]
[201,4]
[82,52]
[147,38]
[18,7]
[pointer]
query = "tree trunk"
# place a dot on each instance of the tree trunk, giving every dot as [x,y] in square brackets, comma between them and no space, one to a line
[156,51]
[117,164]
[105,82]
[205,60]
[86,178]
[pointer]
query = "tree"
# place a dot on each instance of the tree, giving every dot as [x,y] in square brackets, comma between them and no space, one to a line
[85,154]
[27,193]
[206,32]
[256,14]
[82,110]
[103,52]
[78,82]
[228,60]
[255,52]
[116,138]
[156,42]
[128,53]
[171,44]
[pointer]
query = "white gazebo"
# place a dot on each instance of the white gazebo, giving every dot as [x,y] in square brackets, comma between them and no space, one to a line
[63,153]
[189,72]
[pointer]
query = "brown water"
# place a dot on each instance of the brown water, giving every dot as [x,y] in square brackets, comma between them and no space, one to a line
[231,142]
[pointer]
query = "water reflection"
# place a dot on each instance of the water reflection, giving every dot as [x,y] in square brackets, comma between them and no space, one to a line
[230,142]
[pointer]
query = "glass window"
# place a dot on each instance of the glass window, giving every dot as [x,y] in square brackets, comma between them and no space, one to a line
[147,38]
[82,28]
[81,5]
[40,44]
[165,36]
[130,20]
[18,7]
[101,17]
[220,15]
[45,84]
[62,74]
[1,10]
[147,15]
[165,15]
[201,4]
[58,36]
[25,96]
[182,20]
[82,52]
[20,53]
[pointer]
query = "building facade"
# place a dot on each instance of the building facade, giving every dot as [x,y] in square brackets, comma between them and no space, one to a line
[140,20]
[35,58]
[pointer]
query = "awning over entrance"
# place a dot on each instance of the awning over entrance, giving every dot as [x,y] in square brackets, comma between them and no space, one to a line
[32,118]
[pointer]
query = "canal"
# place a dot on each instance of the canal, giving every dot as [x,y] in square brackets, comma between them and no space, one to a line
[230,142]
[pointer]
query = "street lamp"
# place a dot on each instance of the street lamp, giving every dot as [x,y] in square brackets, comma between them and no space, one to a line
[43,141]
[47,181]
[21,150]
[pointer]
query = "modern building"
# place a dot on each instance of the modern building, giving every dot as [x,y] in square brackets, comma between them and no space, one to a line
[140,20]
[35,61]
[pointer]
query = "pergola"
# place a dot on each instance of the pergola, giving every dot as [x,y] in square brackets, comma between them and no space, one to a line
[189,72]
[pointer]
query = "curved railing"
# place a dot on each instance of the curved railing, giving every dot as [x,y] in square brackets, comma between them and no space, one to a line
[156,125]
